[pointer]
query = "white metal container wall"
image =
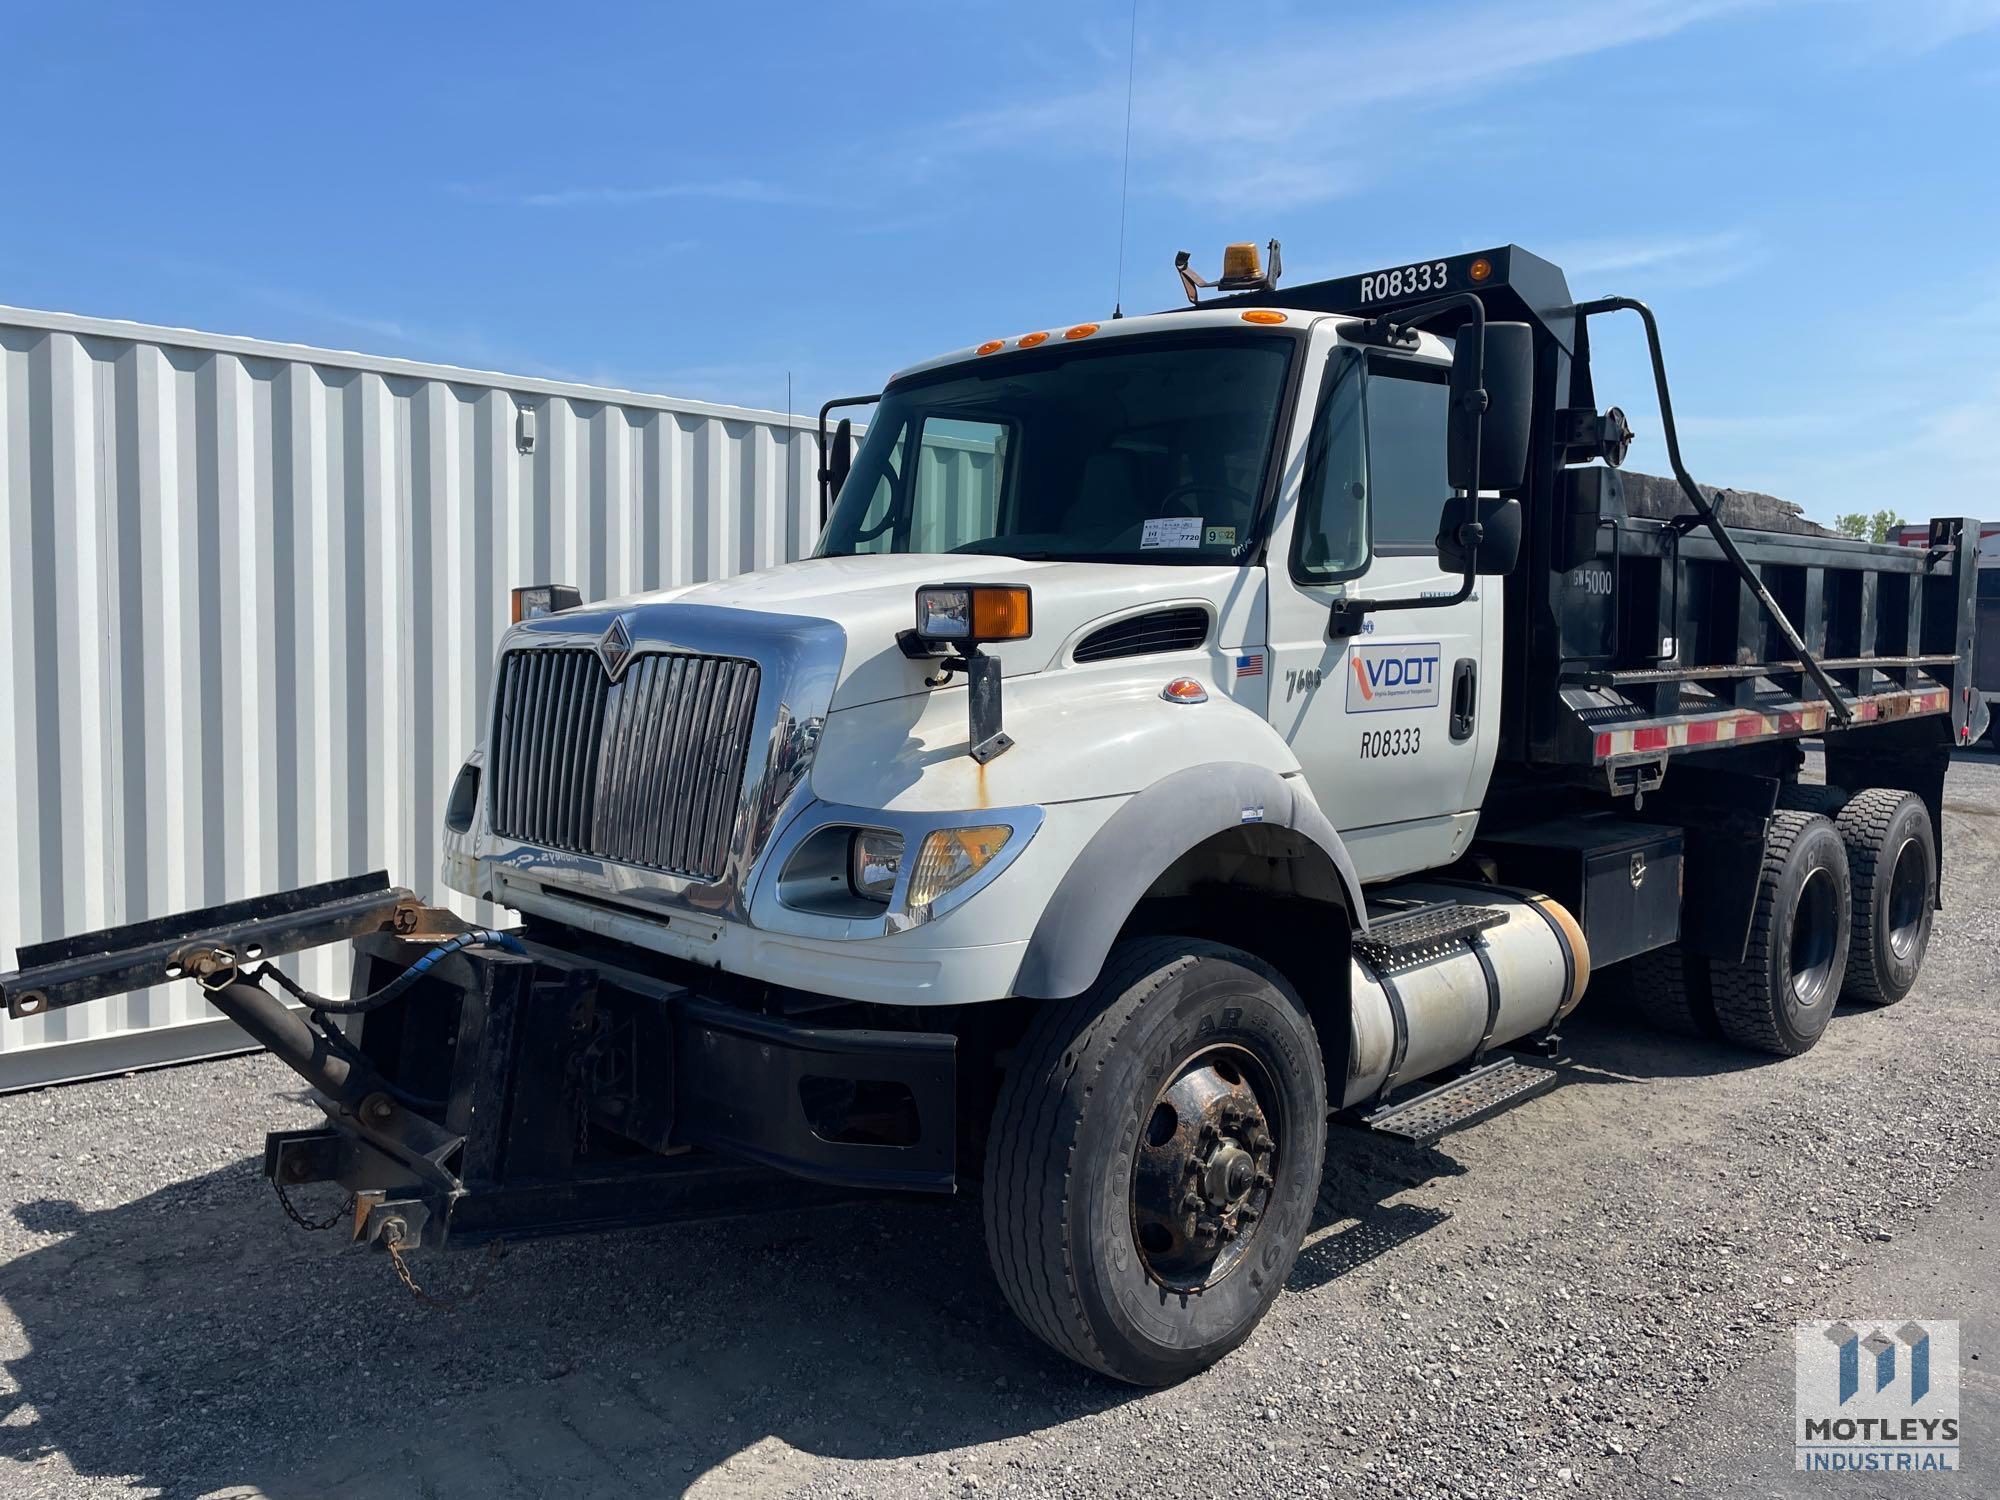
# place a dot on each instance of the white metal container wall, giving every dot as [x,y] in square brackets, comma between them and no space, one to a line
[250,600]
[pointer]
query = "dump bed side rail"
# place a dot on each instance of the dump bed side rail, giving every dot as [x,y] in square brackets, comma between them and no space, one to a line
[1663,650]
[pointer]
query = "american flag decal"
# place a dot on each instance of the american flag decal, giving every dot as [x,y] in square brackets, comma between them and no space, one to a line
[1251,665]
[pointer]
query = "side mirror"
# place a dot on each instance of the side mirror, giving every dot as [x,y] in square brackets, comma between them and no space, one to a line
[1462,423]
[1488,551]
[839,461]
[1510,406]
[1489,450]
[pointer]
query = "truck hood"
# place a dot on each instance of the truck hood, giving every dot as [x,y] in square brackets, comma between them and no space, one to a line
[872,598]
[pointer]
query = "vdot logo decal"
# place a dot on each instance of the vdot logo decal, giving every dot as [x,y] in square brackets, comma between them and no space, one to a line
[1877,1395]
[1391,675]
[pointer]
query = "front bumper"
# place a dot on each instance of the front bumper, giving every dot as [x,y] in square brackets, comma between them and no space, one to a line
[584,1093]
[501,1086]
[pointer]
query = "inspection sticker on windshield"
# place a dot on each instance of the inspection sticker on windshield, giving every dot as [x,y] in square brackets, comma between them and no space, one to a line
[1171,531]
[1219,536]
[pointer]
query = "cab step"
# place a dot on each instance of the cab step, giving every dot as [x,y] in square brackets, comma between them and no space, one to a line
[1466,1100]
[1396,939]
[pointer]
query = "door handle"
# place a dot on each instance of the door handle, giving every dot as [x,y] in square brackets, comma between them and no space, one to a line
[1464,698]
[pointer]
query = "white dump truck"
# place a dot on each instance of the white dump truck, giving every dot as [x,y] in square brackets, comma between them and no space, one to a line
[1190,730]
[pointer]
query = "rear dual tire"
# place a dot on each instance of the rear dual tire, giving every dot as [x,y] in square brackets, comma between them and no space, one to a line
[1781,996]
[1843,910]
[1892,852]
[1670,992]
[1180,1097]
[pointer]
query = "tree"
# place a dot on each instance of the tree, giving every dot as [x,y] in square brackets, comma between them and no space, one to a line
[1875,528]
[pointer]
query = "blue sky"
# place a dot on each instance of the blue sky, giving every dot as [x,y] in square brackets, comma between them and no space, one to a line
[700,200]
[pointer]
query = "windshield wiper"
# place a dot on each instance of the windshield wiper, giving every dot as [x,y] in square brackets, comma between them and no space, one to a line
[986,548]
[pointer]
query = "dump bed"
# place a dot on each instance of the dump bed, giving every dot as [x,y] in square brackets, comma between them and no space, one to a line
[1631,639]
[1652,642]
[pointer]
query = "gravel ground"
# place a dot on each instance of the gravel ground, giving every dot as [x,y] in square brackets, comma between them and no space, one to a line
[1593,1292]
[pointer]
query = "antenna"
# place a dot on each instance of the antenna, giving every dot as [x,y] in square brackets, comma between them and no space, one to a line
[1125,172]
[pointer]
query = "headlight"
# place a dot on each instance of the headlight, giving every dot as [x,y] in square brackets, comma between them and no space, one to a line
[879,872]
[873,860]
[974,614]
[949,858]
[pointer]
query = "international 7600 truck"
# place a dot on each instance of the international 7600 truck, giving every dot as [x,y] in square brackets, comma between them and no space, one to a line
[1190,730]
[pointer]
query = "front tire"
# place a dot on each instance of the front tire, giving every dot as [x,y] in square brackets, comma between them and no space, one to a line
[1154,1159]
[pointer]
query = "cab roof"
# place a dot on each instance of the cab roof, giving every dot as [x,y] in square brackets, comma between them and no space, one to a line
[1295,319]
[1511,282]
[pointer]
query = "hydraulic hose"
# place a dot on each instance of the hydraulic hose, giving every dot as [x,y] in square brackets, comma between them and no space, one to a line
[485,937]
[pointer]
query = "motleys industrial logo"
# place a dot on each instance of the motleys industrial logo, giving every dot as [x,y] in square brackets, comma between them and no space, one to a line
[1876,1395]
[1388,675]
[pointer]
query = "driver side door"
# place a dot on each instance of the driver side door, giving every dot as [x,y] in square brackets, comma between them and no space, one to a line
[1395,726]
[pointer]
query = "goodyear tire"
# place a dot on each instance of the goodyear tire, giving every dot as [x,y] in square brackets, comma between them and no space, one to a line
[1154,1159]
[1781,996]
[1892,854]
[1671,992]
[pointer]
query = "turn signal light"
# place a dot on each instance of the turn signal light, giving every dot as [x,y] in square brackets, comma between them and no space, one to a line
[539,599]
[974,613]
[1184,690]
[952,856]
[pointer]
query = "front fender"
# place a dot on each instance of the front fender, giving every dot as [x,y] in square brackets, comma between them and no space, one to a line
[1141,841]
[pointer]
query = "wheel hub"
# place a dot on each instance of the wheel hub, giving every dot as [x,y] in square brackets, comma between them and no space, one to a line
[1909,898]
[1204,1169]
[1815,938]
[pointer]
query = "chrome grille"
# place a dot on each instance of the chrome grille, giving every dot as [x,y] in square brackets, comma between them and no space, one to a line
[647,770]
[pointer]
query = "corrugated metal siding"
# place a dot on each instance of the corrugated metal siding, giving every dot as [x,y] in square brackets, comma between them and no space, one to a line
[958,493]
[249,605]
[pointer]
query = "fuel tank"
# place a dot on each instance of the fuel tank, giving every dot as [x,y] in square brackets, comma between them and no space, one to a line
[1449,970]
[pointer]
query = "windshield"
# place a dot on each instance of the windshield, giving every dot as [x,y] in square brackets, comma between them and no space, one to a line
[1150,449]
